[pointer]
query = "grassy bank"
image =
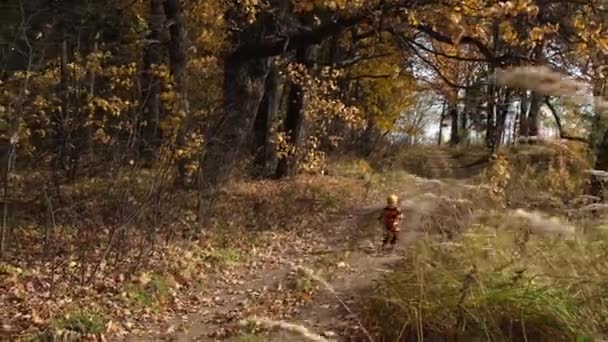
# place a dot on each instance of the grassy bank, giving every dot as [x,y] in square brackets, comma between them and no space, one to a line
[496,284]
[512,274]
[482,270]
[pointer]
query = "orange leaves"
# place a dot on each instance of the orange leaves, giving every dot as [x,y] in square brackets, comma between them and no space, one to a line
[283,146]
[385,87]
[314,159]
[250,9]
[540,32]
[304,6]
[88,105]
[499,175]
[412,18]
[513,8]
[578,23]
[321,105]
[508,33]
[208,26]
[101,136]
[332,5]
[537,34]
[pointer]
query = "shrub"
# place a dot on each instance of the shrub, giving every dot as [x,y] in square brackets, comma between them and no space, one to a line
[150,291]
[83,322]
[224,257]
[547,175]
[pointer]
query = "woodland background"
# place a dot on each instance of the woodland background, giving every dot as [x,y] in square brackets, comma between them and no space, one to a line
[144,143]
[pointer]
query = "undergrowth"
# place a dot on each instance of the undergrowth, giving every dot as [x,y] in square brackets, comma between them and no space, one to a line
[546,176]
[249,221]
[116,256]
[489,284]
[82,321]
[150,291]
[508,275]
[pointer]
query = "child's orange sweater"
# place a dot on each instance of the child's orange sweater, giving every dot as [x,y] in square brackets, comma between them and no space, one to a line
[391,217]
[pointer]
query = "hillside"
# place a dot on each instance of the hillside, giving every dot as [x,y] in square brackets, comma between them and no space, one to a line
[306,251]
[215,170]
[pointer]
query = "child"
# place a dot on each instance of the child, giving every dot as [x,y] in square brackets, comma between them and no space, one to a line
[391,216]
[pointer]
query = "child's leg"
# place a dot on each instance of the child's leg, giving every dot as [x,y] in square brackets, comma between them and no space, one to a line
[385,238]
[394,238]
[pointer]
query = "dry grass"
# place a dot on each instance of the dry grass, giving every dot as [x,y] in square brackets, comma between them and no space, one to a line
[495,284]
[511,274]
[546,176]
[290,327]
[257,219]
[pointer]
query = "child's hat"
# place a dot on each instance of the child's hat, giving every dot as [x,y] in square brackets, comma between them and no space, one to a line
[392,199]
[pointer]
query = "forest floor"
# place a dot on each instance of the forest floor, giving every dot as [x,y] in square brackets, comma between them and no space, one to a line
[344,253]
[353,265]
[296,251]
[304,253]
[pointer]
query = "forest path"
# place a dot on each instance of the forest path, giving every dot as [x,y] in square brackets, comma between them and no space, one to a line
[345,253]
[442,164]
[351,260]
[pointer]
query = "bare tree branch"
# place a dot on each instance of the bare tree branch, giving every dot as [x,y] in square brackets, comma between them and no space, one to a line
[558,122]
[307,35]
[483,49]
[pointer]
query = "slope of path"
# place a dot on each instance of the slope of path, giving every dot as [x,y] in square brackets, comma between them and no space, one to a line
[356,233]
[326,315]
[440,164]
[228,299]
[362,265]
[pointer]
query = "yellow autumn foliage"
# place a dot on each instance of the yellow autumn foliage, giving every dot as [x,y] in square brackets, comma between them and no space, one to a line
[386,88]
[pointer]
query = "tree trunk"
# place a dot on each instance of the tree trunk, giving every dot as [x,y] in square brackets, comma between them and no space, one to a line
[522,118]
[77,130]
[177,56]
[536,100]
[597,185]
[244,84]
[492,92]
[89,120]
[264,151]
[441,119]
[64,114]
[294,122]
[151,134]
[454,135]
[464,128]
[491,115]
[243,91]
[533,122]
[502,118]
[599,146]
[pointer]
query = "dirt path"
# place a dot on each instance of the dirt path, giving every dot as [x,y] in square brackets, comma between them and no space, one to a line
[347,250]
[441,164]
[326,315]
[352,259]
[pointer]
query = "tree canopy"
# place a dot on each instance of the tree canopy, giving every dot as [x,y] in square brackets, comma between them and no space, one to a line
[199,82]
